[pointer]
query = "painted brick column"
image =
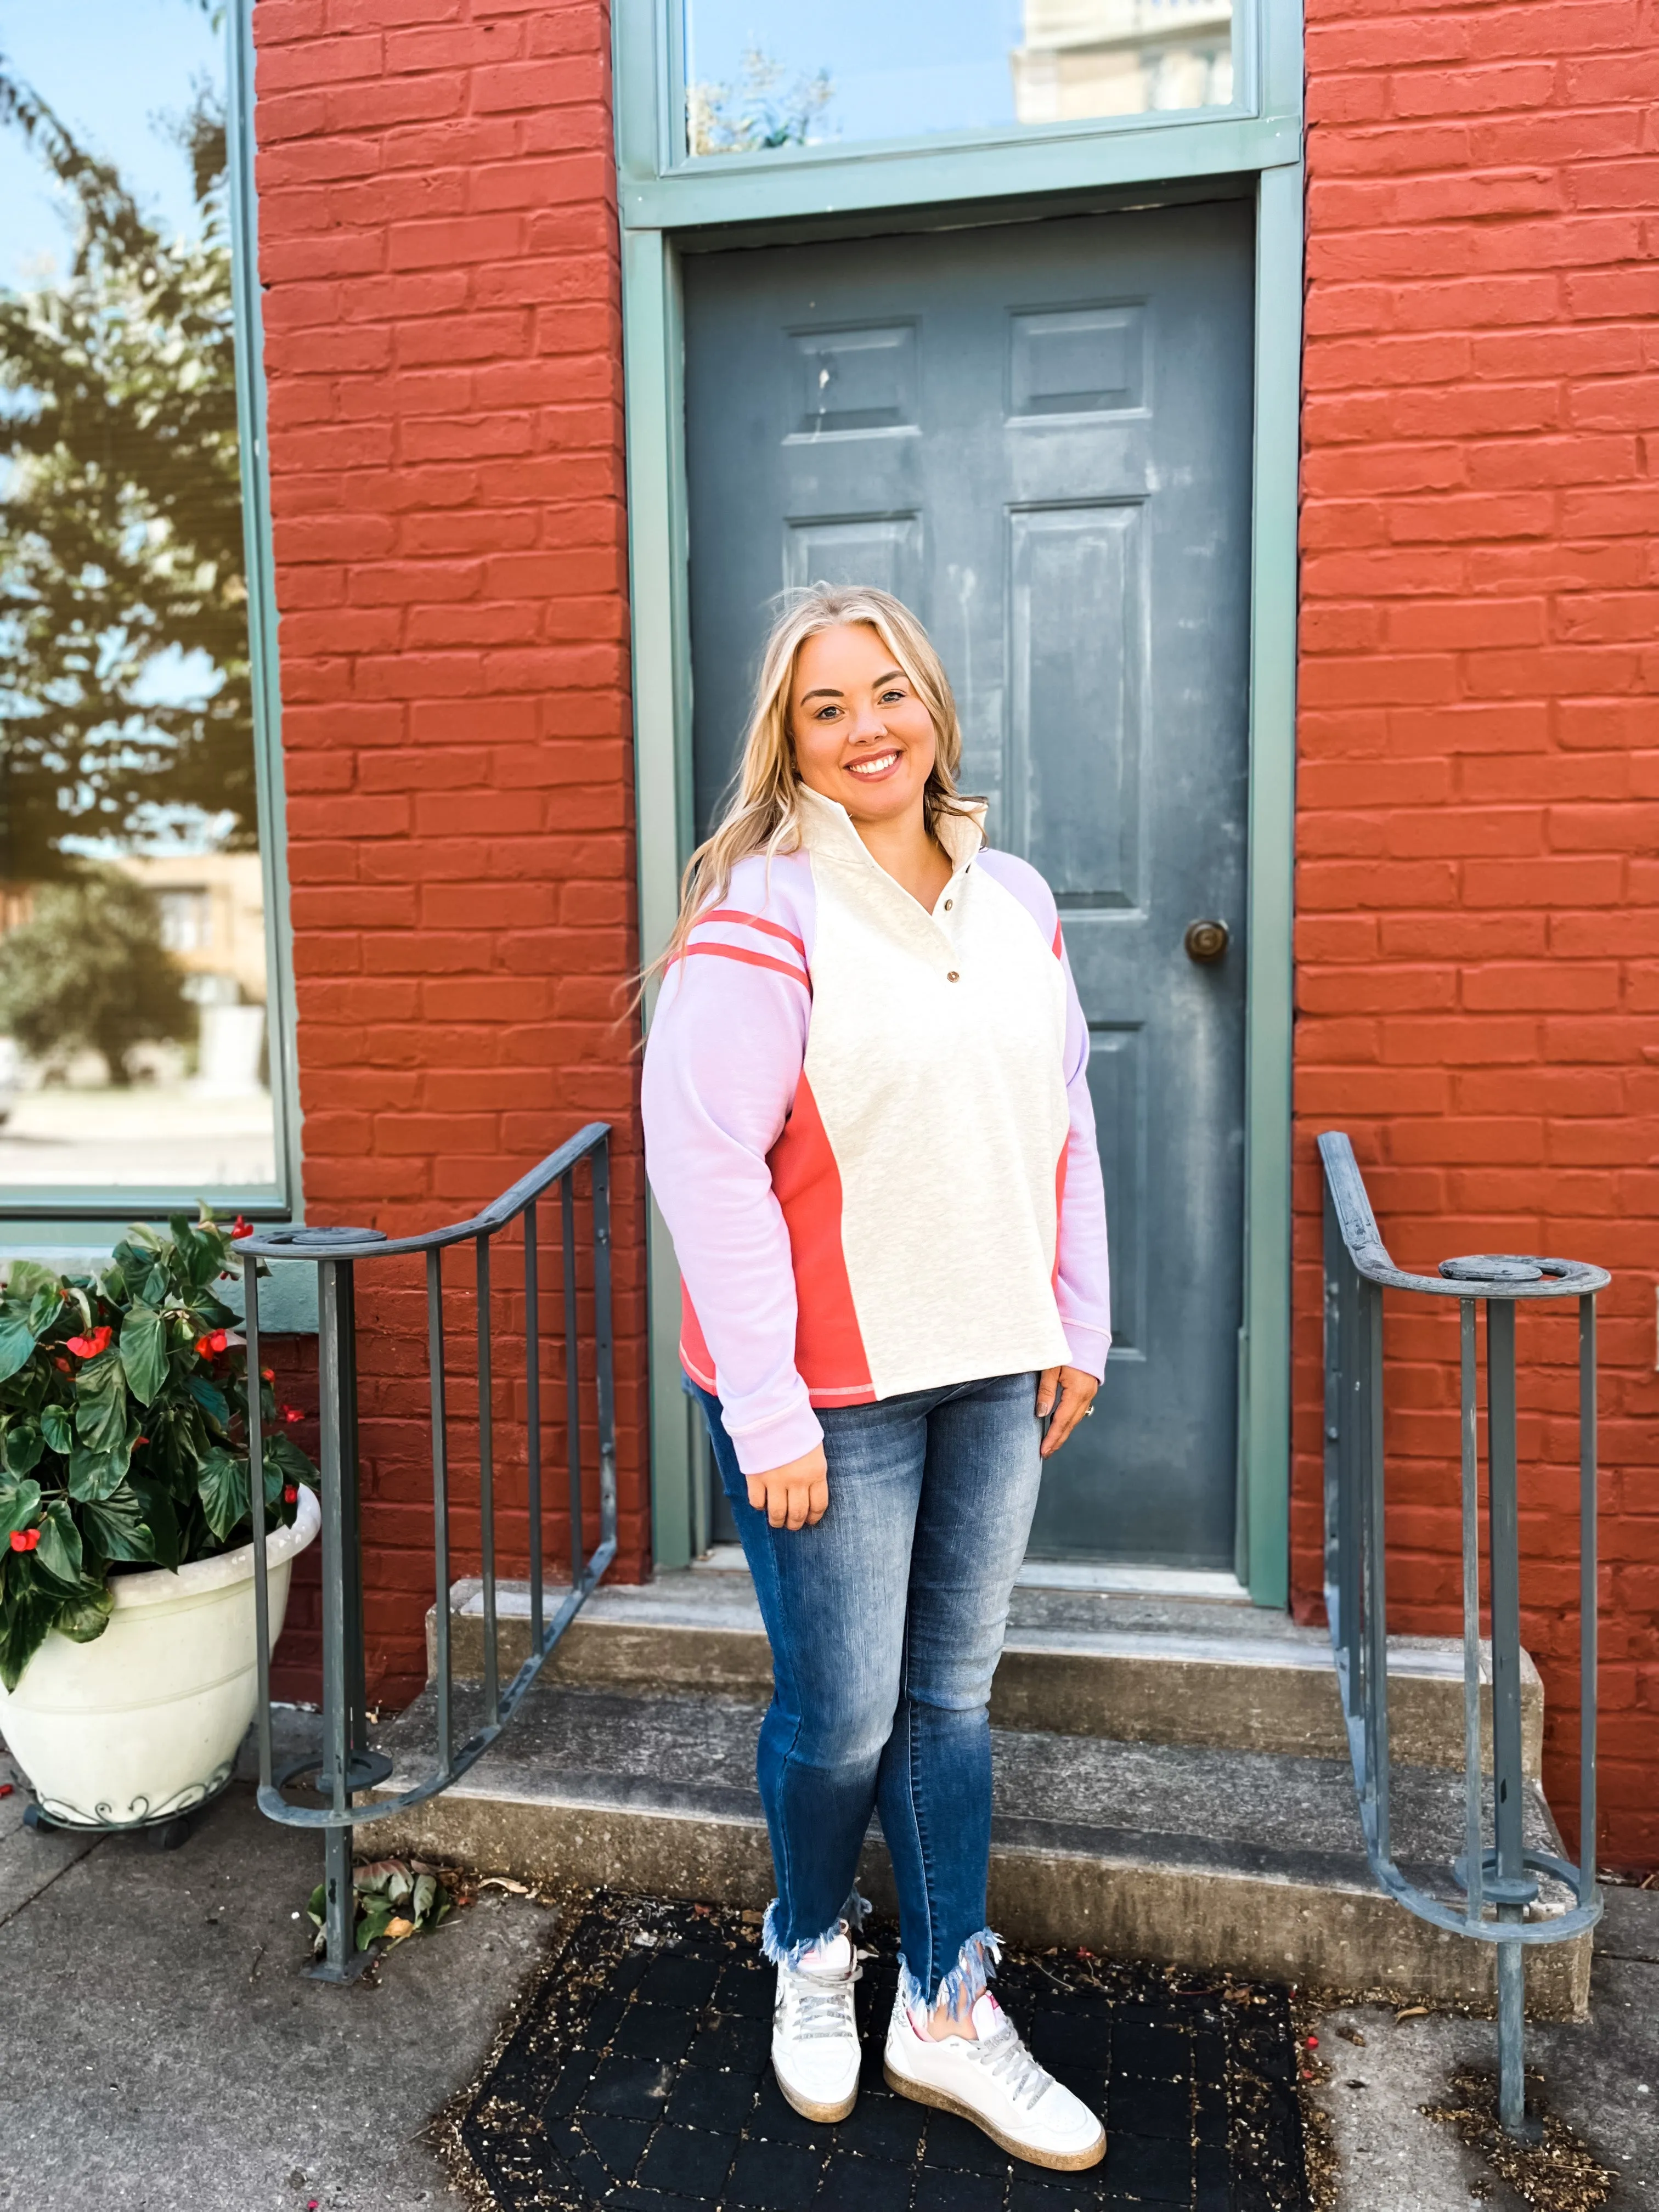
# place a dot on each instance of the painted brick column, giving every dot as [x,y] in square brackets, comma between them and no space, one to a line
[1478,889]
[438,250]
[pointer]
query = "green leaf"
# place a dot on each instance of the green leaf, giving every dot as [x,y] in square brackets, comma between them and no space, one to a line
[59,1551]
[156,1502]
[318,1904]
[115,1529]
[209,1398]
[23,1446]
[93,1475]
[25,1621]
[101,1410]
[16,1344]
[282,1452]
[143,1352]
[25,1277]
[222,1486]
[58,1428]
[20,1507]
[86,1615]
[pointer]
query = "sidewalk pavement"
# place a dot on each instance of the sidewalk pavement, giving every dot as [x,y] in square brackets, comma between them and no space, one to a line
[162,2048]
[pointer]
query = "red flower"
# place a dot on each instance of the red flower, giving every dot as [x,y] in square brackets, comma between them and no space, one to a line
[290,1494]
[291,1414]
[61,1365]
[88,1348]
[241,1228]
[267,1374]
[25,1540]
[209,1346]
[139,1440]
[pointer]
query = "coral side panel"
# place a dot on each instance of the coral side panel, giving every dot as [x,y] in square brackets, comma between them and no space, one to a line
[441,297]
[1477,891]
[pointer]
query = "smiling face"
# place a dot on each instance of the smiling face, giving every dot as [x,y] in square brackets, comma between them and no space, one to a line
[862,736]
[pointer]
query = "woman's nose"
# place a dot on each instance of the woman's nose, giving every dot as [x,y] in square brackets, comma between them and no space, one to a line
[868,722]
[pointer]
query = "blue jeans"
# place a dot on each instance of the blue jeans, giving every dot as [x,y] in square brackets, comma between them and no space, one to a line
[886,1622]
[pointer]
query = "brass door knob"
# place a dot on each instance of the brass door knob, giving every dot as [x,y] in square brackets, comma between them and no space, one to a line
[1207,940]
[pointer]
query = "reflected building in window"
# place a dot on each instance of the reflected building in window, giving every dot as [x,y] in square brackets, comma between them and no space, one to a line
[1082,58]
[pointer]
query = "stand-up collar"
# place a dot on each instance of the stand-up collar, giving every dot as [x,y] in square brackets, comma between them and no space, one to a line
[827,828]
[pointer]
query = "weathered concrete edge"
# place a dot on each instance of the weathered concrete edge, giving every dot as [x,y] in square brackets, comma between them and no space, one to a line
[1265,1929]
[1246,1704]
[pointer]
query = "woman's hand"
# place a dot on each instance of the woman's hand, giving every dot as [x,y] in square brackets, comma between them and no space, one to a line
[797,1494]
[1067,1393]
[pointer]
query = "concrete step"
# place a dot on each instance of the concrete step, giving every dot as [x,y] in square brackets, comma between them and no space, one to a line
[1245,1861]
[1138,1667]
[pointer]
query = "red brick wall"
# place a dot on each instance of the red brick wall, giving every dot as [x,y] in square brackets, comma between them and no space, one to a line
[438,250]
[1478,890]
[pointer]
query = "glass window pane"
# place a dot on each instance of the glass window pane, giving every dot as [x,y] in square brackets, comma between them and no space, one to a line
[133,983]
[760,73]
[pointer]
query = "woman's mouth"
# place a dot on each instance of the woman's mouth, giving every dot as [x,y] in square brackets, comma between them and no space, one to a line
[874,766]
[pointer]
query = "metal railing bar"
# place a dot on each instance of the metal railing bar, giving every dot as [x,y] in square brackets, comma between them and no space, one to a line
[604,1378]
[487,1482]
[1469,1423]
[1377,1609]
[1589,1601]
[289,1245]
[434,1326]
[1559,1278]
[255,1456]
[573,1401]
[532,1416]
[339,1903]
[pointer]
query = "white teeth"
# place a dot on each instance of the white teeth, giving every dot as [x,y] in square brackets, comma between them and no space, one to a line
[873,767]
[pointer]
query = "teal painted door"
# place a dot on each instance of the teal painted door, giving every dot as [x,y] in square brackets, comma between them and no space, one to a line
[1039,437]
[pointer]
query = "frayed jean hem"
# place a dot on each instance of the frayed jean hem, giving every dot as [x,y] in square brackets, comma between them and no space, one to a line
[850,1918]
[965,1983]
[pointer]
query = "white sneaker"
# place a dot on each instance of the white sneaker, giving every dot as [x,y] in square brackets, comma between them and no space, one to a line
[997,2084]
[815,2043]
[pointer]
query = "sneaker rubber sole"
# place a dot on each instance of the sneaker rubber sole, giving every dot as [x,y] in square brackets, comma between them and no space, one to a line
[824,2114]
[924,2092]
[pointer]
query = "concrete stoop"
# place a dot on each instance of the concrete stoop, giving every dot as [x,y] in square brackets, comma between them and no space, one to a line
[1172,1782]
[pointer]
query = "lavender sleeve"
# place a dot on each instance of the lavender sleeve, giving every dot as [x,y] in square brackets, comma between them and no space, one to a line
[722,1063]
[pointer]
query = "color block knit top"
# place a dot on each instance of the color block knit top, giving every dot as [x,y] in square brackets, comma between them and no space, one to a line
[869,1130]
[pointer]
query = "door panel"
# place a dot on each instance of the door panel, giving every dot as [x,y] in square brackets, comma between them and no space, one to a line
[1039,437]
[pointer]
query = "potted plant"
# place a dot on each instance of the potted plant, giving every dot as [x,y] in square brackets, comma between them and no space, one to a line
[127,1665]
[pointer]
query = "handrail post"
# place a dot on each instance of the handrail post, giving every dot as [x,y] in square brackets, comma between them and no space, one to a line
[1589,1601]
[604,1380]
[339,1559]
[1512,1887]
[256,1485]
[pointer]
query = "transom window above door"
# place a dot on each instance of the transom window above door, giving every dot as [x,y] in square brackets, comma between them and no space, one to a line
[760,75]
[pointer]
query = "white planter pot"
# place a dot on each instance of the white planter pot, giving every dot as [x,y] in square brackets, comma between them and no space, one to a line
[144,1722]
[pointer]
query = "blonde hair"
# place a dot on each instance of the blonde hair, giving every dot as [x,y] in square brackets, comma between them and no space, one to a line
[762,810]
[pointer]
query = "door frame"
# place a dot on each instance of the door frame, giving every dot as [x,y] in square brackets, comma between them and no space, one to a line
[668,209]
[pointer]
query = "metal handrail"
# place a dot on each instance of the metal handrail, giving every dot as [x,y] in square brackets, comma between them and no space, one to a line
[347,1763]
[1502,1878]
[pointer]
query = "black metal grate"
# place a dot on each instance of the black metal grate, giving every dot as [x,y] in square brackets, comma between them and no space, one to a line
[638,2078]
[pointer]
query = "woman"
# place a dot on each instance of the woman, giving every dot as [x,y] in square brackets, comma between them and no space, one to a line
[868,1127]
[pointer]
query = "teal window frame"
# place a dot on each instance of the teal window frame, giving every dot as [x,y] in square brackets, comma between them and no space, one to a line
[671,206]
[68,1220]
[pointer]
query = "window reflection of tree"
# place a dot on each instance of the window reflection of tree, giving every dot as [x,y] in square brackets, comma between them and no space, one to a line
[126,706]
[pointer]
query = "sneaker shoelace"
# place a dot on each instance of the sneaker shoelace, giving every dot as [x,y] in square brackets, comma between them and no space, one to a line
[822,2004]
[1006,2060]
